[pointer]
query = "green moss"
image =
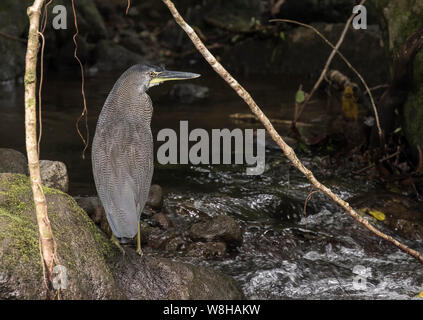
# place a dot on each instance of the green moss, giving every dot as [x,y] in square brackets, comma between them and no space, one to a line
[19,206]
[22,242]
[16,188]
[81,246]
[106,246]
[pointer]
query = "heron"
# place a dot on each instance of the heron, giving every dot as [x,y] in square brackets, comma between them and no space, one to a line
[122,149]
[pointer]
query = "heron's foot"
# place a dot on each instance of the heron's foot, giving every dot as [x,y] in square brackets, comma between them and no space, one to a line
[139,252]
[116,242]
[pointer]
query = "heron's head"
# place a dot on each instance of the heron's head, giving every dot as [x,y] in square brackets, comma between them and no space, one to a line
[149,76]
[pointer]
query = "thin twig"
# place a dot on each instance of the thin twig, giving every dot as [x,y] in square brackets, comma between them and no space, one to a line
[84,113]
[380,161]
[288,151]
[372,101]
[381,86]
[128,7]
[308,199]
[276,7]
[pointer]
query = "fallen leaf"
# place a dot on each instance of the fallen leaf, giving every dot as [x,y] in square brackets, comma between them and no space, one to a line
[378,215]
[349,104]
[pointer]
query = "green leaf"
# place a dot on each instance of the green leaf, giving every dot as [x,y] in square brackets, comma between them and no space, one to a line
[282,35]
[300,96]
[397,130]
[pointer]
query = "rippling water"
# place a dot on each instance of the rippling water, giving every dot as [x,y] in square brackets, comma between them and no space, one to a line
[286,254]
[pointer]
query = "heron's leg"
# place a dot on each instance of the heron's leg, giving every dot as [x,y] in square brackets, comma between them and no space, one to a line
[116,242]
[139,251]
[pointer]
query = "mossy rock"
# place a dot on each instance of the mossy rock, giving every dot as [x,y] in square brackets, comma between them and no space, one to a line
[154,278]
[82,249]
[96,269]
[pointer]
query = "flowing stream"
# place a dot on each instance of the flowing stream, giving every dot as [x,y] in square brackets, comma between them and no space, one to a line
[286,254]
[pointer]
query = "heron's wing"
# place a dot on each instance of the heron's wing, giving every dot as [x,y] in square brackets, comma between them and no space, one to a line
[123,166]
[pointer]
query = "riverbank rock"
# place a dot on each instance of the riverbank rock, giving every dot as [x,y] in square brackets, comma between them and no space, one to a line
[220,228]
[96,269]
[13,161]
[162,220]
[54,175]
[82,249]
[163,279]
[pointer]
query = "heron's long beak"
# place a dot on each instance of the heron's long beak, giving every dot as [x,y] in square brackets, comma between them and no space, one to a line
[172,75]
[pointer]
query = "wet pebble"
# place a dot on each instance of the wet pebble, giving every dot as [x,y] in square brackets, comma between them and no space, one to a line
[220,228]
[206,249]
[162,220]
[155,197]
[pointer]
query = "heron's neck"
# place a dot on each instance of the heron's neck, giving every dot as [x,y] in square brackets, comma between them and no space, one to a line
[131,107]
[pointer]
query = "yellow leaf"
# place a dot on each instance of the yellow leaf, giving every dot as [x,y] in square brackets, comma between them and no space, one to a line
[379,215]
[420,295]
[349,104]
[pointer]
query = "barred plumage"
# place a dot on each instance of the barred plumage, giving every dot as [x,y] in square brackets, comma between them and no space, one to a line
[122,151]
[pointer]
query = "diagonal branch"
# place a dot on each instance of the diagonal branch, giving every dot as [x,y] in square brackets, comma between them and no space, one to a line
[287,150]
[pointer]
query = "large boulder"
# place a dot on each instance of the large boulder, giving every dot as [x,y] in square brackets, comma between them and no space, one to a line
[164,279]
[54,175]
[96,269]
[82,249]
[13,161]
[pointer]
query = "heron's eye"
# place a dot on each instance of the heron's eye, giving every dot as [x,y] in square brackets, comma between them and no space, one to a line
[153,74]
